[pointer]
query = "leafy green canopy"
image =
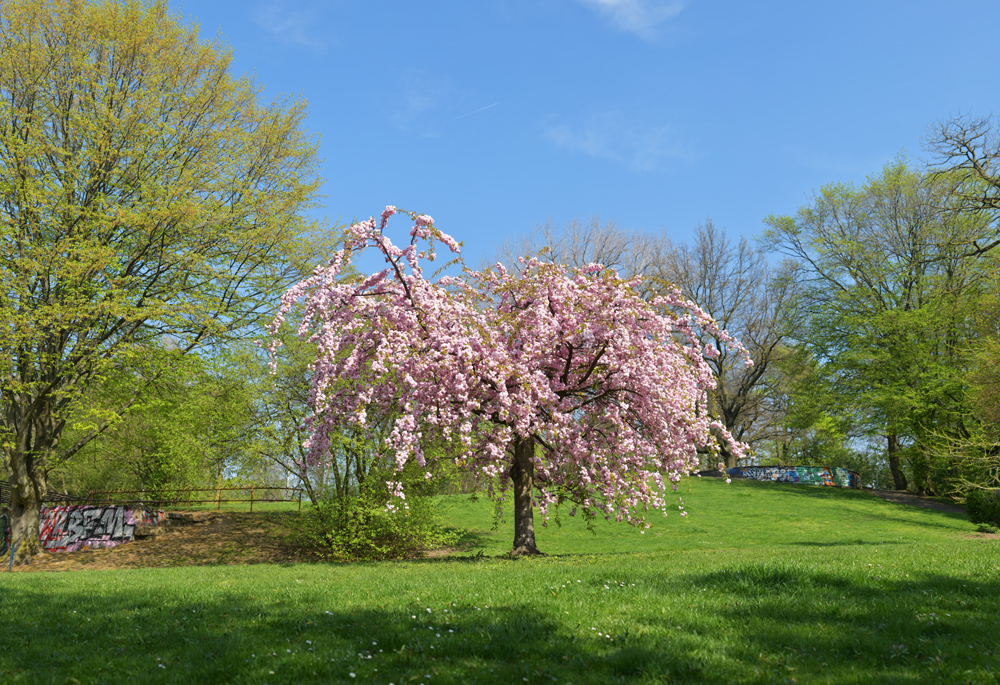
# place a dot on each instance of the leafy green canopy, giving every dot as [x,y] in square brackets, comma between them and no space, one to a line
[146,196]
[889,290]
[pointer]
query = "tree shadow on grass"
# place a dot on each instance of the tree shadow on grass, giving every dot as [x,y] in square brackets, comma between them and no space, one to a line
[831,628]
[756,622]
[846,543]
[468,539]
[128,636]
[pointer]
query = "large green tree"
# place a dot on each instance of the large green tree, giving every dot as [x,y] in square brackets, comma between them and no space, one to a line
[189,430]
[145,194]
[888,284]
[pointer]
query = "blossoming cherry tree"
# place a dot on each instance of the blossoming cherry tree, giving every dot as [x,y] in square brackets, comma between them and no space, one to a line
[558,384]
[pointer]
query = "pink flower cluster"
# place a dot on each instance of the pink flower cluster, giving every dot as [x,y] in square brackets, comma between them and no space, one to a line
[613,391]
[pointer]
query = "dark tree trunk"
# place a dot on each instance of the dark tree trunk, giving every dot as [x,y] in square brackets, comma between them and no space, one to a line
[28,484]
[523,475]
[898,477]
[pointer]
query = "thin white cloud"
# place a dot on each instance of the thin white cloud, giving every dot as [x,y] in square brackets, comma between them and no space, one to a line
[423,98]
[427,103]
[611,136]
[641,17]
[291,22]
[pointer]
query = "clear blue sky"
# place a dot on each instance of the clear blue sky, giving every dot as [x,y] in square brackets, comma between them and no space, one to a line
[492,115]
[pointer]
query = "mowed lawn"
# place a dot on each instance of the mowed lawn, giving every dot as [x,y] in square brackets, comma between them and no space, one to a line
[762,583]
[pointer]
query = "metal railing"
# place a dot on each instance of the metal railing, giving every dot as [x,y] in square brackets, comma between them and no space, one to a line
[176,497]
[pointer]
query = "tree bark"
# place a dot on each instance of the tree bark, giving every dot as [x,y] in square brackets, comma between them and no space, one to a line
[898,477]
[523,475]
[28,485]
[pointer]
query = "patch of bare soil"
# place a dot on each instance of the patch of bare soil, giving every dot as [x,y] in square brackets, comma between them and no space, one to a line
[222,538]
[985,537]
[900,497]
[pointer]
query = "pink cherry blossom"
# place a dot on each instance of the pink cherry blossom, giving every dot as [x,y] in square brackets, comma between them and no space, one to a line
[611,388]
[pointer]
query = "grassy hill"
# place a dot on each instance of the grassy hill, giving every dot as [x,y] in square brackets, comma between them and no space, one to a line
[762,583]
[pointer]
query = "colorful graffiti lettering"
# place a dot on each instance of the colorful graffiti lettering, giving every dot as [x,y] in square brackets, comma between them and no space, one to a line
[67,529]
[148,517]
[808,475]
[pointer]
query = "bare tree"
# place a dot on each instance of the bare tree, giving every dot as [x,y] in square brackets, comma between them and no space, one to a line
[968,150]
[735,284]
[629,252]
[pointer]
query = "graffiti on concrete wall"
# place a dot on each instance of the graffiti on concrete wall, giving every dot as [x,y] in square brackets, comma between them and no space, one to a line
[807,475]
[69,528]
[148,517]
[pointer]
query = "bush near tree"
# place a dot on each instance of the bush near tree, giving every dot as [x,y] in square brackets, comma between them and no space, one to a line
[983,506]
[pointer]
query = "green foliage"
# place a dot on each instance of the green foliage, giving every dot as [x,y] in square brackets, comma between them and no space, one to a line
[147,197]
[818,429]
[983,506]
[358,525]
[891,291]
[185,432]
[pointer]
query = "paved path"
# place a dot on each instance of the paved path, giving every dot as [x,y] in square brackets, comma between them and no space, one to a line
[900,497]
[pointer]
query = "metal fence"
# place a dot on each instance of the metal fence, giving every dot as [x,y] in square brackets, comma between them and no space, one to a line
[252,494]
[179,497]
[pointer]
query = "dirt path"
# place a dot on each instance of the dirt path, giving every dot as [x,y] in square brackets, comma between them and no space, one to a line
[266,537]
[900,497]
[225,538]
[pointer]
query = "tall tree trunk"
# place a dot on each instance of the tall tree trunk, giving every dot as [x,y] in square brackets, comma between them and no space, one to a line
[898,477]
[28,484]
[523,475]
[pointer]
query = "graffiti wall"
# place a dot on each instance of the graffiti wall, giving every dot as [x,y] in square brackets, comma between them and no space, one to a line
[148,517]
[67,529]
[807,475]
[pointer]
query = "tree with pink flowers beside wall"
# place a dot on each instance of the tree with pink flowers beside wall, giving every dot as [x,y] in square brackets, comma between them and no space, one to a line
[556,384]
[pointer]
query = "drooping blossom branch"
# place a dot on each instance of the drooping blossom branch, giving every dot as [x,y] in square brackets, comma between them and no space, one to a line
[613,392]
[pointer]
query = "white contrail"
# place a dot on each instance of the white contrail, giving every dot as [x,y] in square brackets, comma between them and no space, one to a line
[475,110]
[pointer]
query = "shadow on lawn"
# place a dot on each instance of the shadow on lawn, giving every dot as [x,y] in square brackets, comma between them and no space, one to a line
[130,637]
[828,627]
[761,623]
[882,508]
[845,543]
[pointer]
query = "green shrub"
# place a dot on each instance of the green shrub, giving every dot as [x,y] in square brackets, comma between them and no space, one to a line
[359,526]
[983,506]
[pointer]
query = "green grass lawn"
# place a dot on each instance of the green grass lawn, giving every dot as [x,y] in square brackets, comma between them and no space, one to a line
[762,583]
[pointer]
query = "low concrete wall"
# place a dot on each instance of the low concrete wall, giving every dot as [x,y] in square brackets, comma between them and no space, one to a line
[69,528]
[806,475]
